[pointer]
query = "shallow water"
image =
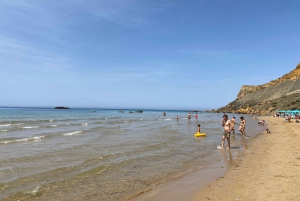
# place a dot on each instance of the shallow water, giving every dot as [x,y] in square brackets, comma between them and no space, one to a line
[104,154]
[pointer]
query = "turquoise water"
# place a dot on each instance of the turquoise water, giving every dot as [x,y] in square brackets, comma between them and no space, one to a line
[101,154]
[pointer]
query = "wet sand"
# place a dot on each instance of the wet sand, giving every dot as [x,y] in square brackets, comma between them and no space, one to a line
[186,186]
[268,170]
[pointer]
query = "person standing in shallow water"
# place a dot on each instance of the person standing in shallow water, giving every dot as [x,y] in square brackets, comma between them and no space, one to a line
[189,117]
[232,123]
[198,129]
[196,116]
[242,126]
[226,132]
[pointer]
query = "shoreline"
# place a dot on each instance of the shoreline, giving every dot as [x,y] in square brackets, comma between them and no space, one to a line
[268,170]
[214,167]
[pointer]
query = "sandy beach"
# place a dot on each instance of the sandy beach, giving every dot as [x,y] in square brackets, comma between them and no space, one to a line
[268,170]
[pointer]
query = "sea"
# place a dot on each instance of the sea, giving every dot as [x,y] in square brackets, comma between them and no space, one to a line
[103,154]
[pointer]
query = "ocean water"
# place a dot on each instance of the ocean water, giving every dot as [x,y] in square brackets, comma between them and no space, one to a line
[101,154]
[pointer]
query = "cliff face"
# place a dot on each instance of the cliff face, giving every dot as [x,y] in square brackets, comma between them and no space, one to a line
[282,93]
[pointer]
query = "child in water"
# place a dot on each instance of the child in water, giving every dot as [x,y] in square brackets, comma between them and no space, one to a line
[198,130]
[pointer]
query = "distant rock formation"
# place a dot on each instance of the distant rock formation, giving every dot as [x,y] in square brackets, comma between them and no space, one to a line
[282,93]
[137,111]
[61,107]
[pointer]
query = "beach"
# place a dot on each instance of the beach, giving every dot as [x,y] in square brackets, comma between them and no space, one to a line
[95,154]
[268,170]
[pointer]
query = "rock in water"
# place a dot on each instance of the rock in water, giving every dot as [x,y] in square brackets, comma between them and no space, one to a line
[61,107]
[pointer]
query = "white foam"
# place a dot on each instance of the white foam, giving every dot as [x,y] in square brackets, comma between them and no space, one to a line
[5,125]
[84,124]
[53,125]
[28,127]
[72,133]
[3,130]
[168,119]
[35,190]
[23,140]
[18,124]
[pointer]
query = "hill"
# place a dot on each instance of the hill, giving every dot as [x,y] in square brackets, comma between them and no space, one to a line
[282,93]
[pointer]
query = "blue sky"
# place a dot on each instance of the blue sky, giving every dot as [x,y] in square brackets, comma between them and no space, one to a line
[164,54]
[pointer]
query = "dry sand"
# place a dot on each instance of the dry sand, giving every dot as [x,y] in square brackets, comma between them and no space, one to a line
[268,170]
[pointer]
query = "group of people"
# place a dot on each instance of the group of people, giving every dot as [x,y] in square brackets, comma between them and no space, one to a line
[189,116]
[229,126]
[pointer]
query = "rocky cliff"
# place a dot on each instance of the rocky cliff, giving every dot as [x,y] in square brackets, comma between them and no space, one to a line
[282,93]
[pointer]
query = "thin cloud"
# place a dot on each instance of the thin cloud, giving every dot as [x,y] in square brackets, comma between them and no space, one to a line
[122,12]
[18,54]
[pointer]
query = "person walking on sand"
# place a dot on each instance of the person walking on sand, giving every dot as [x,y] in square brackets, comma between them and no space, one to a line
[242,126]
[189,116]
[226,132]
[232,124]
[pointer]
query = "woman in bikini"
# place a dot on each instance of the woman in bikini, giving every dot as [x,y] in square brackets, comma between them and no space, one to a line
[242,126]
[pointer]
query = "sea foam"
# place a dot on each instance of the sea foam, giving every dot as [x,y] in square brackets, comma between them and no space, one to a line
[5,125]
[29,127]
[23,140]
[72,133]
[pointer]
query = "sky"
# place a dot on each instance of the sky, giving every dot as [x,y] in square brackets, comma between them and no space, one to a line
[154,54]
